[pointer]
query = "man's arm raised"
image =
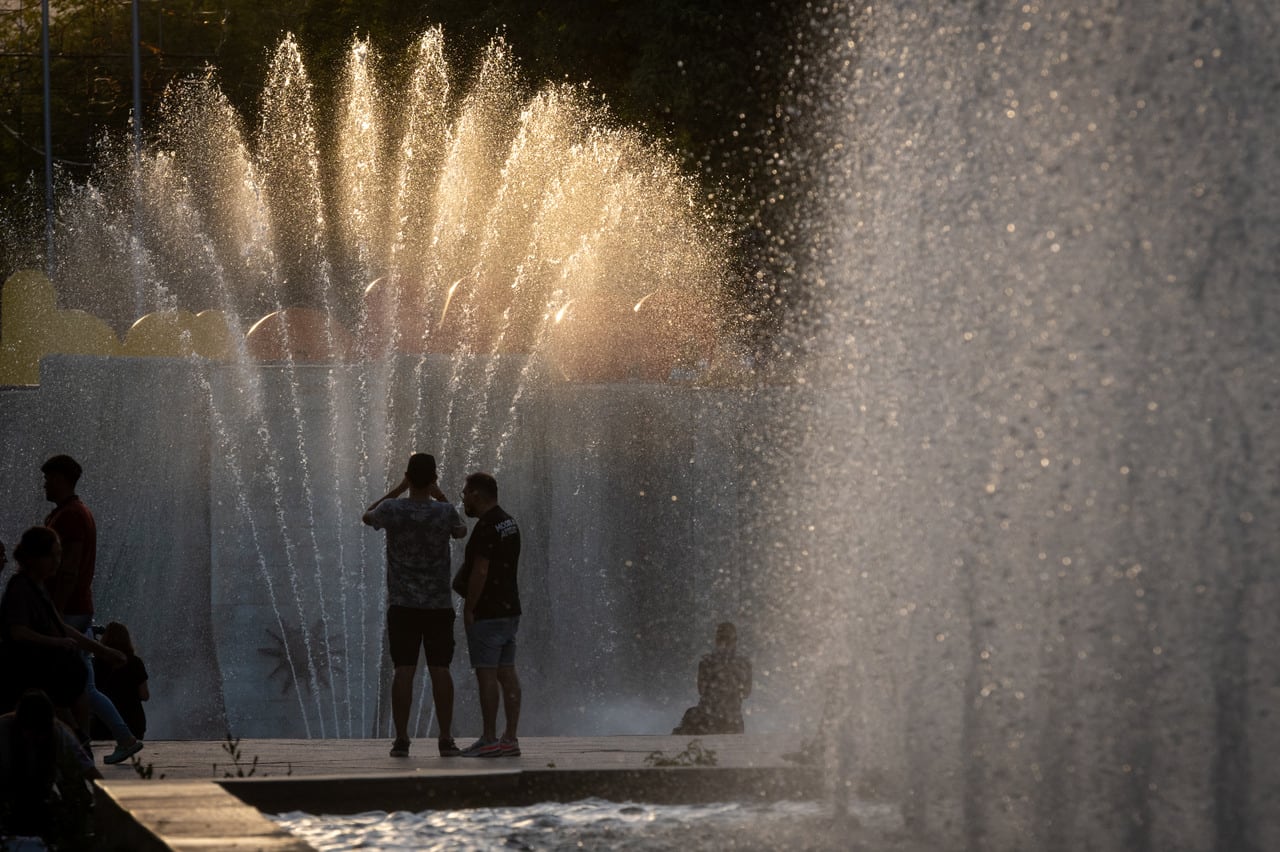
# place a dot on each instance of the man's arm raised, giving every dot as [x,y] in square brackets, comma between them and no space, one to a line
[367,517]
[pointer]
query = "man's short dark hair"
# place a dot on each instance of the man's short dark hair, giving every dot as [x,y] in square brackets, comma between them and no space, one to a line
[421,470]
[63,465]
[484,483]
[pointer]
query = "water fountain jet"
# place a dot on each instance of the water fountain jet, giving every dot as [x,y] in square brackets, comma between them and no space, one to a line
[314,310]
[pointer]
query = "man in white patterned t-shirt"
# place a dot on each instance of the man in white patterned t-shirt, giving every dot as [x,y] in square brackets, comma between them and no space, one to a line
[419,606]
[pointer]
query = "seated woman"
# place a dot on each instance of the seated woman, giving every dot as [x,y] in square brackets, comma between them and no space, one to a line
[44,775]
[37,649]
[125,684]
[724,680]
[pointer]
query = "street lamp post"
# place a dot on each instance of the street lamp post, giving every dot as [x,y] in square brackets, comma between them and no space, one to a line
[137,84]
[138,281]
[48,120]
[48,143]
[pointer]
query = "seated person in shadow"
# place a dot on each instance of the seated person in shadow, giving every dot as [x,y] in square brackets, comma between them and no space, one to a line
[44,777]
[124,683]
[724,680]
[37,649]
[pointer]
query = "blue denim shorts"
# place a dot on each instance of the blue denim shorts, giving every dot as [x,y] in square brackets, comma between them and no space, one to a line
[492,642]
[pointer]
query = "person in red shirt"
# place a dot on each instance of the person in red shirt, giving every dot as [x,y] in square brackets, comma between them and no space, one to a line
[71,588]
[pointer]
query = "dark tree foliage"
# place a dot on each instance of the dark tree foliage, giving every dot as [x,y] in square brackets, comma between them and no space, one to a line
[706,76]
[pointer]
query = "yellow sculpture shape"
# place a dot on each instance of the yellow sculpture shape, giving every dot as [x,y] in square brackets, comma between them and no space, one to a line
[31,326]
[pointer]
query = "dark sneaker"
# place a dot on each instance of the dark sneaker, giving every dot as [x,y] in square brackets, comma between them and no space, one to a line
[483,748]
[123,752]
[400,748]
[448,748]
[510,747]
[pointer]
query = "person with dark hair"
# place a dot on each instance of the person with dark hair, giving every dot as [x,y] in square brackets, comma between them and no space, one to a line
[72,586]
[37,647]
[44,776]
[419,609]
[72,589]
[724,681]
[125,684]
[488,585]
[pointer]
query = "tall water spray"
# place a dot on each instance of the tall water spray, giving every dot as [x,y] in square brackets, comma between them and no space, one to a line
[423,212]
[1033,488]
[422,275]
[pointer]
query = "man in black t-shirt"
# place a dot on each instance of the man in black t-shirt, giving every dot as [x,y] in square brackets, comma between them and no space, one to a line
[491,613]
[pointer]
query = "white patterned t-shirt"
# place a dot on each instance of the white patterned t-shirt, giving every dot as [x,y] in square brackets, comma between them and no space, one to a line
[418,555]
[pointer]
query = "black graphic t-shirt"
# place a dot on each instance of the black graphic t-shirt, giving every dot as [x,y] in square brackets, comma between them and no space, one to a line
[497,538]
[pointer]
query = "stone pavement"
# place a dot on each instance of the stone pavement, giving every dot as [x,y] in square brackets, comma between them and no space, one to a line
[196,759]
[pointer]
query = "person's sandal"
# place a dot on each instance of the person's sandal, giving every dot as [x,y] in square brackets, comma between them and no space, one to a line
[400,748]
[448,748]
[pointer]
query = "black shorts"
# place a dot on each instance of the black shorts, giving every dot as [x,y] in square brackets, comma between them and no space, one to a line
[409,628]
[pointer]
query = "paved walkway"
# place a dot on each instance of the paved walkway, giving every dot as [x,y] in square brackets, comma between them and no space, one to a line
[209,760]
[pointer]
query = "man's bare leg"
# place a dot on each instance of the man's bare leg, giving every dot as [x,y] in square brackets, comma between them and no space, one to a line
[510,684]
[487,681]
[402,699]
[442,695]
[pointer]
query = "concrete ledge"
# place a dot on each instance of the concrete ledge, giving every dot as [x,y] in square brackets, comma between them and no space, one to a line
[184,815]
[517,788]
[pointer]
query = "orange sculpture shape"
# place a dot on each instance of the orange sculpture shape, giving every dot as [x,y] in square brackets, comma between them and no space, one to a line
[304,335]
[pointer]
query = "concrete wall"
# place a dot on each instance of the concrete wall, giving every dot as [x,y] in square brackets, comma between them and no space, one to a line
[228,501]
[139,429]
